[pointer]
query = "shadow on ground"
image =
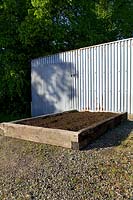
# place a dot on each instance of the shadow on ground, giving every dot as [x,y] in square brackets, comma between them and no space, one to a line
[113,137]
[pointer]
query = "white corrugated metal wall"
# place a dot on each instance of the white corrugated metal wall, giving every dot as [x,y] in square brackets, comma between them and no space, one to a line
[101,77]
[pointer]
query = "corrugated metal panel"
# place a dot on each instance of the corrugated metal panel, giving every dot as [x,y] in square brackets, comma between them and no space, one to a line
[100,79]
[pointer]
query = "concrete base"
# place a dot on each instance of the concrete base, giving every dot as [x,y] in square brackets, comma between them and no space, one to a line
[130,116]
[69,139]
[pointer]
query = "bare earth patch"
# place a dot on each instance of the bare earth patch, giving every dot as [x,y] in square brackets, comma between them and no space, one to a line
[73,121]
[37,171]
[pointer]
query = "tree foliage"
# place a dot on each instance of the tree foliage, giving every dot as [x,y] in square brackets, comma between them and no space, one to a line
[32,28]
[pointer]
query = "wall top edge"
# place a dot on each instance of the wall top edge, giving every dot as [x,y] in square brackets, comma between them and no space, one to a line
[92,46]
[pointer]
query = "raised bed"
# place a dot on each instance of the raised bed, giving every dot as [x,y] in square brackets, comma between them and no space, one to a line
[71,129]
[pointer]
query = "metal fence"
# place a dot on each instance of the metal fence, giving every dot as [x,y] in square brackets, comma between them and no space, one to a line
[96,78]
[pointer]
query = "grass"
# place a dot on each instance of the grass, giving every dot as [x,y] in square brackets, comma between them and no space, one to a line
[127,144]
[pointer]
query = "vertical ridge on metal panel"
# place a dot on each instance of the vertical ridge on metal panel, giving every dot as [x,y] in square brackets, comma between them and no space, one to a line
[106,84]
[110,77]
[104,77]
[122,77]
[119,77]
[126,79]
[92,86]
[95,77]
[81,75]
[76,80]
[132,76]
[79,84]
[129,78]
[89,78]
[113,78]
[84,80]
[101,79]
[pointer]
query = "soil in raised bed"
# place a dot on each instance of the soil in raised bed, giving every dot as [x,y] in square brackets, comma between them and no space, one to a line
[73,121]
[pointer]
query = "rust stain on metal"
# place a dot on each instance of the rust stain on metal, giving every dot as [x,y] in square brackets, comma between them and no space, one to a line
[102,103]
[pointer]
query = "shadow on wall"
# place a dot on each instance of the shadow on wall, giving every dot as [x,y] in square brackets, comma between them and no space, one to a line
[53,87]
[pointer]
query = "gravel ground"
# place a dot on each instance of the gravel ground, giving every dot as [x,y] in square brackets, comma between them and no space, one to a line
[31,171]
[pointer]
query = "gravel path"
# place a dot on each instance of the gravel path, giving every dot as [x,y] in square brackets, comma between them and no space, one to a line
[31,171]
